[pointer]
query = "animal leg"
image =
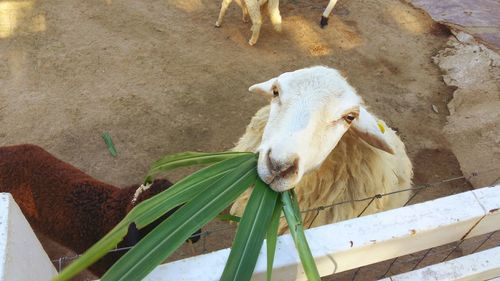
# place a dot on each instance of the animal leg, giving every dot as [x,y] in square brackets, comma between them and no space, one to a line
[254,12]
[326,13]
[244,16]
[274,14]
[244,10]
[223,9]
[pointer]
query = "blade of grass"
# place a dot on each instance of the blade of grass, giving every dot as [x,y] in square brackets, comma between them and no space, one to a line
[109,143]
[271,238]
[293,218]
[250,234]
[184,159]
[171,233]
[153,208]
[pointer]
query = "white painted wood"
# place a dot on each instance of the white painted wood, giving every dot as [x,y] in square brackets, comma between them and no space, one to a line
[350,244]
[479,266]
[21,254]
[489,198]
[4,228]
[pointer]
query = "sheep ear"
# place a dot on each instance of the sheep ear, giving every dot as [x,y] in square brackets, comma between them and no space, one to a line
[371,131]
[264,89]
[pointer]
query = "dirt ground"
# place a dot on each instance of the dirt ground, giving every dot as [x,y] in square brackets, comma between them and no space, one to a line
[161,79]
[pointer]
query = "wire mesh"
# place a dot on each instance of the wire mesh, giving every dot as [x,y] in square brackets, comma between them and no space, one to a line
[419,259]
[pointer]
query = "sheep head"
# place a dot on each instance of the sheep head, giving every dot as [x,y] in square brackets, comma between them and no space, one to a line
[311,109]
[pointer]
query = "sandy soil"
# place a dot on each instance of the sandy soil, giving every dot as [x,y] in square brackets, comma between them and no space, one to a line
[161,79]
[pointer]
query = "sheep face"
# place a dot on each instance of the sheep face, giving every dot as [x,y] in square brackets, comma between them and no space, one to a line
[311,109]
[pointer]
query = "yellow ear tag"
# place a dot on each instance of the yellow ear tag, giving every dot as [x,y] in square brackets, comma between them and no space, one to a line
[381,126]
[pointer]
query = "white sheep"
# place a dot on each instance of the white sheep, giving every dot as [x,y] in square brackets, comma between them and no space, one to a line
[252,8]
[317,136]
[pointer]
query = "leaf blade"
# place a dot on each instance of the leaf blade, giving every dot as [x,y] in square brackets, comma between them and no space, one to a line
[250,234]
[293,218]
[183,159]
[109,143]
[208,174]
[272,237]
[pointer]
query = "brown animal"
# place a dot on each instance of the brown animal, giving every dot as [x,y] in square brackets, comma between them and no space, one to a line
[67,205]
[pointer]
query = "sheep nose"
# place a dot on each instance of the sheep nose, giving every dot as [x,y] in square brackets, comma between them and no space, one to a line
[280,168]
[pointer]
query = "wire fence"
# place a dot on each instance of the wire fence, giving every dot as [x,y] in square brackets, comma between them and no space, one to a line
[415,191]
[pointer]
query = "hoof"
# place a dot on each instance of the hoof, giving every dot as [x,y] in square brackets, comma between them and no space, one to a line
[323,22]
[277,27]
[217,25]
[252,42]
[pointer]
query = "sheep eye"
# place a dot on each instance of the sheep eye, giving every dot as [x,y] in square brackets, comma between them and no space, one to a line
[349,118]
[275,93]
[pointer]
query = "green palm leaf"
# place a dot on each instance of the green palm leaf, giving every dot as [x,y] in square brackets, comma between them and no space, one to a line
[150,210]
[293,218]
[250,234]
[205,194]
[171,233]
[272,237]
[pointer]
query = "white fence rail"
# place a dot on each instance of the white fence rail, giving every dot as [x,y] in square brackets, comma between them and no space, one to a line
[21,254]
[362,241]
